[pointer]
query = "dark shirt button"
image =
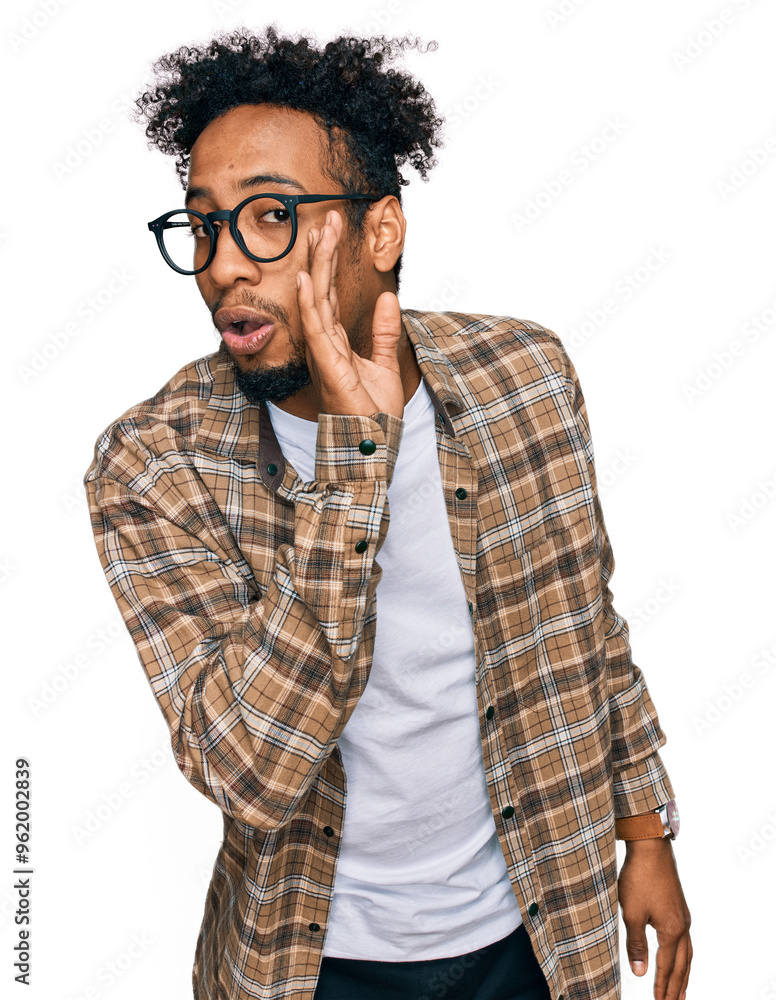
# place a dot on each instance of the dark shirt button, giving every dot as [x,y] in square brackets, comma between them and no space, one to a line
[272,469]
[362,546]
[440,418]
[533,909]
[489,712]
[367,447]
[315,927]
[328,831]
[461,493]
[471,608]
[507,812]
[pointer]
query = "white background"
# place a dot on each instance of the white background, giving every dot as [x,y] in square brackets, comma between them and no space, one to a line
[682,200]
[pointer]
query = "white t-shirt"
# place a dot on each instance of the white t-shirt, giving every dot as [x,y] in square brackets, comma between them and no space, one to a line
[421,874]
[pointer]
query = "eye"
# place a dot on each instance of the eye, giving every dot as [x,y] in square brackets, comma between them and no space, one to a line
[187,228]
[276,215]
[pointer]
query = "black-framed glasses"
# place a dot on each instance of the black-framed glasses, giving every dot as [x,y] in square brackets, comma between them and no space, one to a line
[267,229]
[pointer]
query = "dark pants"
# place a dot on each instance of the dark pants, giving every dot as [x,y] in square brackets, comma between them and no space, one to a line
[505,970]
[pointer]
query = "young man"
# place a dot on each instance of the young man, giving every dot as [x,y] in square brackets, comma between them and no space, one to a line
[363,544]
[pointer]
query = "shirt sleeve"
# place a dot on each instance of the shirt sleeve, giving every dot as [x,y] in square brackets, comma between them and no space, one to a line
[640,780]
[254,687]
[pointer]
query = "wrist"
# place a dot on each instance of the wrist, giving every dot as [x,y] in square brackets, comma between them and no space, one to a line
[651,845]
[658,824]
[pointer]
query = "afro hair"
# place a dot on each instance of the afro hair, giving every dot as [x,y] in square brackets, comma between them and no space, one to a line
[376,119]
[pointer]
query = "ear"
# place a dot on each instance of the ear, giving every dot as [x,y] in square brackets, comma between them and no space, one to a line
[385,231]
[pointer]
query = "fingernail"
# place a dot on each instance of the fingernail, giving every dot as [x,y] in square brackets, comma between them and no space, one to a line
[298,280]
[638,968]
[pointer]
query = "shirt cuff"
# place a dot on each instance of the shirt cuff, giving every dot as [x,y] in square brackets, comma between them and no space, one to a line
[351,448]
[642,788]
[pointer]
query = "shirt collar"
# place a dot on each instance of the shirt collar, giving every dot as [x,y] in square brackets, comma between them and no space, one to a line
[234,427]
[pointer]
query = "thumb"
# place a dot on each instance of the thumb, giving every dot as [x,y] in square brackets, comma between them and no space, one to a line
[638,952]
[386,331]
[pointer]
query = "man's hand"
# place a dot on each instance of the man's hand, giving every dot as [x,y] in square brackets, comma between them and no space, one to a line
[346,383]
[650,893]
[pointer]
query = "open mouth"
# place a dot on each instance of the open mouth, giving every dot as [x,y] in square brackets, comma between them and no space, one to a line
[244,330]
[246,337]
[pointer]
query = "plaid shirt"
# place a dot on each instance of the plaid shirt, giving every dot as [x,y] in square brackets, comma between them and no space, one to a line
[250,596]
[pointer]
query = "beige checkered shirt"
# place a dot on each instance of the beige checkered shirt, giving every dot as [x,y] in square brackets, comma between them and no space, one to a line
[252,607]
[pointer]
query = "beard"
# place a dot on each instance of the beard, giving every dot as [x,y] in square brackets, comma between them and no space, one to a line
[277,383]
[274,382]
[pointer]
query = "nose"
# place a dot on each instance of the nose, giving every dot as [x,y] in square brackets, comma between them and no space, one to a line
[229,263]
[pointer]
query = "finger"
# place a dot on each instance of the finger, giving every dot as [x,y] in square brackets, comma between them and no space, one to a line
[316,337]
[333,288]
[334,259]
[328,307]
[321,270]
[328,311]
[678,975]
[679,971]
[686,976]
[312,238]
[665,963]
[386,331]
[636,947]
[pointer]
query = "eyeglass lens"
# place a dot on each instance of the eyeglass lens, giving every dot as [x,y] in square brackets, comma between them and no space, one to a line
[264,224]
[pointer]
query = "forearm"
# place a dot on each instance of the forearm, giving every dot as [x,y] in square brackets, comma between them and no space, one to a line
[640,781]
[252,673]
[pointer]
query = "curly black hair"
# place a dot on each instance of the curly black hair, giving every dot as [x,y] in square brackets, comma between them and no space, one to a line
[376,119]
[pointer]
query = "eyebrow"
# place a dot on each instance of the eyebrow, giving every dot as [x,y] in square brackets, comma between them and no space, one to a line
[244,185]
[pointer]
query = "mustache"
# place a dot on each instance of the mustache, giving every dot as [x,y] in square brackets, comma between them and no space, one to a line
[253,301]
